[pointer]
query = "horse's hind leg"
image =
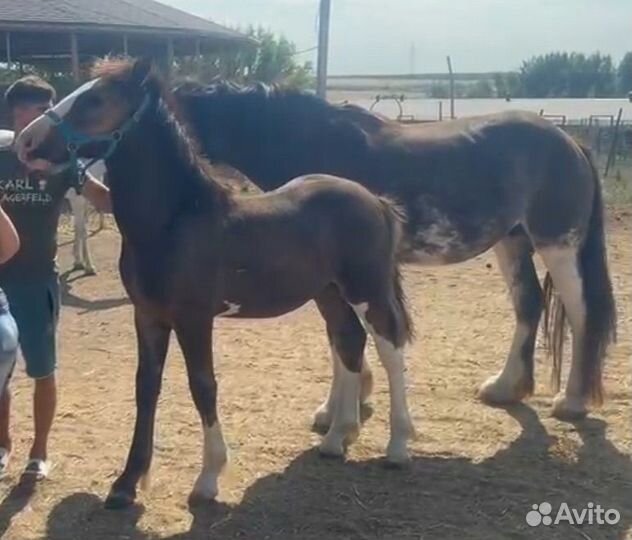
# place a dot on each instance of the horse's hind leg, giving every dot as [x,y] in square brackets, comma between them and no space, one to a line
[387,322]
[194,332]
[515,381]
[584,376]
[347,339]
[325,411]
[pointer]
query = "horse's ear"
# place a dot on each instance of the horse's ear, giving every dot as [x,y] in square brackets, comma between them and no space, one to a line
[141,70]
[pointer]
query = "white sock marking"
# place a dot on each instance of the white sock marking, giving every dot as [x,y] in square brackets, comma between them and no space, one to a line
[214,458]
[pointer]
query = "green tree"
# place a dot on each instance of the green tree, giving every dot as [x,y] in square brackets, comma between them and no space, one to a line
[479,89]
[624,75]
[273,60]
[573,75]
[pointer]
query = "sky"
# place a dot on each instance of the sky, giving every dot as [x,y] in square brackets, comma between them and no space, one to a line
[378,36]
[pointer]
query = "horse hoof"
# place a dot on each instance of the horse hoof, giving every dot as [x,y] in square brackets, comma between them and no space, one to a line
[331,450]
[77,267]
[396,462]
[568,410]
[397,455]
[494,391]
[118,500]
[204,490]
[90,272]
[322,420]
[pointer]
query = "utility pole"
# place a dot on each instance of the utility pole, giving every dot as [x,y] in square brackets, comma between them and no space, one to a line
[323,48]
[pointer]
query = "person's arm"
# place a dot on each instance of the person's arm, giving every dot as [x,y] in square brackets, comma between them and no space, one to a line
[9,240]
[97,194]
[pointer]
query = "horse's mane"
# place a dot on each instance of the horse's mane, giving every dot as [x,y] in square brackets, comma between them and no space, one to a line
[286,100]
[120,70]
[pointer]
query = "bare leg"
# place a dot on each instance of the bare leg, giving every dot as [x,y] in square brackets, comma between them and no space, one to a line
[44,407]
[153,341]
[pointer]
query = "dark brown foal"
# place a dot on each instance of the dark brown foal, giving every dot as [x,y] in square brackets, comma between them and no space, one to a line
[192,252]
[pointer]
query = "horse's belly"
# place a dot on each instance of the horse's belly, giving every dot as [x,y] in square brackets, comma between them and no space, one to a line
[443,243]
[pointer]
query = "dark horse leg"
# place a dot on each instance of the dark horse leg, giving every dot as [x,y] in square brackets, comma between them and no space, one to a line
[195,335]
[515,380]
[153,341]
[347,339]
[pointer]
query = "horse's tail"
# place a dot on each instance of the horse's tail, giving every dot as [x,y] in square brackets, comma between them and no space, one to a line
[395,217]
[601,315]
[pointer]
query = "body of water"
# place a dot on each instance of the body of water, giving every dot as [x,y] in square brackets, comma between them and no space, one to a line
[574,110]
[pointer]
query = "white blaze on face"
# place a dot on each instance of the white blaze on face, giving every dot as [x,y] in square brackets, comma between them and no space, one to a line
[36,132]
[64,106]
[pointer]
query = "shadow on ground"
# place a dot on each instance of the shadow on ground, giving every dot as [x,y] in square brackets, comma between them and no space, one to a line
[437,497]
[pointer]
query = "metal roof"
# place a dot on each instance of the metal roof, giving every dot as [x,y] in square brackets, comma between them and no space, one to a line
[132,16]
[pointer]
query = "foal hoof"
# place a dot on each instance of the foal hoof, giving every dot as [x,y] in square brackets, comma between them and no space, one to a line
[494,391]
[204,491]
[118,500]
[396,457]
[322,420]
[90,272]
[331,450]
[568,410]
[77,267]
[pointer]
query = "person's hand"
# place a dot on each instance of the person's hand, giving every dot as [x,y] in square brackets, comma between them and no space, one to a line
[38,164]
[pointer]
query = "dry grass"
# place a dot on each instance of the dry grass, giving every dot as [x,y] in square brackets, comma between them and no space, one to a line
[475,472]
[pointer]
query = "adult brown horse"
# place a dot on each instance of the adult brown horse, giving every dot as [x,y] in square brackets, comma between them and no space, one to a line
[509,181]
[191,252]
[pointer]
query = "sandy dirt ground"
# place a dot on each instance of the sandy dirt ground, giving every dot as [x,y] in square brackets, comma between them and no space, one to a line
[475,473]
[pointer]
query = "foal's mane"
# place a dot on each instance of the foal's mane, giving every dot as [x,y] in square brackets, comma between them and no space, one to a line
[120,70]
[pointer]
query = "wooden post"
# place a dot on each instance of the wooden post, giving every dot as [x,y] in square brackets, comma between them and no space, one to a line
[323,48]
[7,39]
[612,155]
[125,45]
[451,88]
[74,56]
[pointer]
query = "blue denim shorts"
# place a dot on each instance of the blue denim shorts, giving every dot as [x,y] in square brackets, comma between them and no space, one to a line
[8,342]
[35,307]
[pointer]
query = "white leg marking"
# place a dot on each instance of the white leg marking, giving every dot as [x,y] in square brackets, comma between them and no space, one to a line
[213,460]
[231,309]
[392,359]
[345,424]
[562,263]
[325,412]
[509,385]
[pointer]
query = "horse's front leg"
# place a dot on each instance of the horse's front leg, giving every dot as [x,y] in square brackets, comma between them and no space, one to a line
[153,342]
[194,331]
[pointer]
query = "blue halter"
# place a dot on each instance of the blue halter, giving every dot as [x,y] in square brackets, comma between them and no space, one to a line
[75,140]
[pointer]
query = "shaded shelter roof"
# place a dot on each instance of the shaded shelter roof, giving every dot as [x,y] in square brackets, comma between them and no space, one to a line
[101,26]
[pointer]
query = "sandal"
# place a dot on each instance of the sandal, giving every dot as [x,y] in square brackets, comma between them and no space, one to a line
[38,468]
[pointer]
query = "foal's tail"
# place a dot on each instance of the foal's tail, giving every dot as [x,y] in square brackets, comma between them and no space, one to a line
[601,315]
[395,217]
